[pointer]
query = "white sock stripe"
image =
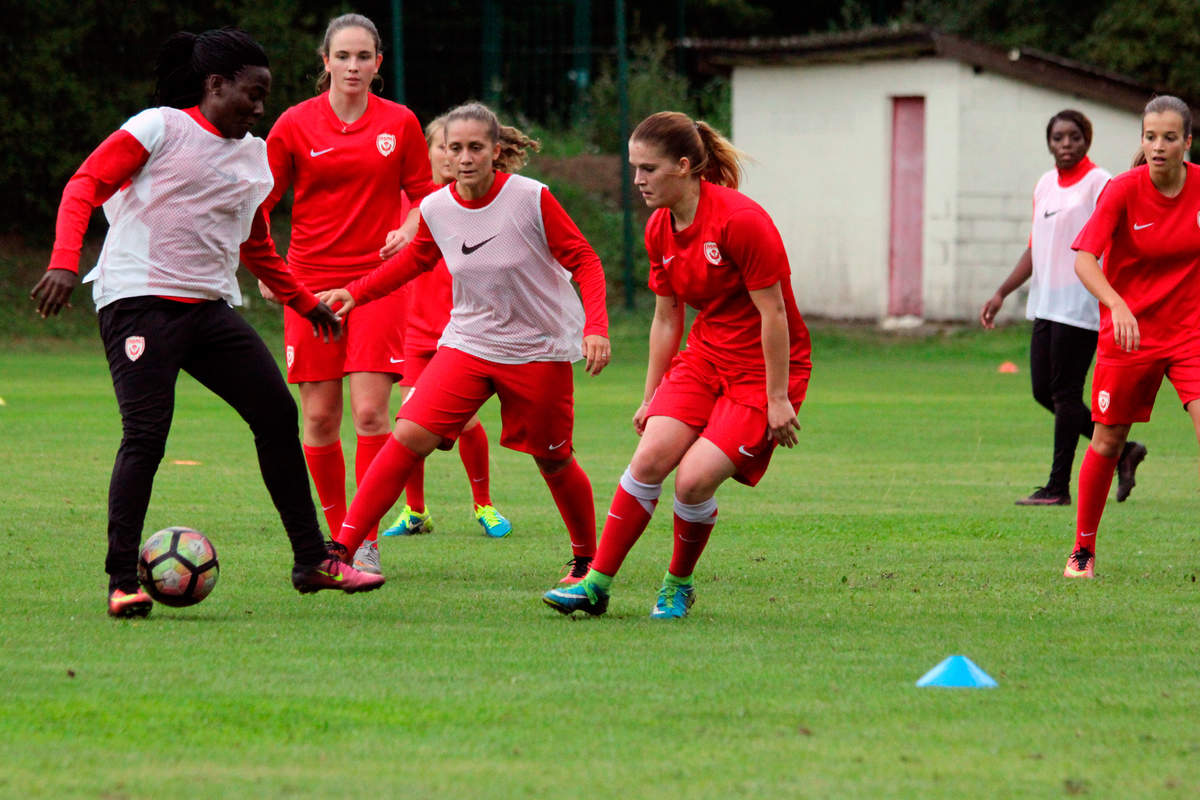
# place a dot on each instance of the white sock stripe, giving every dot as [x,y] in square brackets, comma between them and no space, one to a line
[705,512]
[646,492]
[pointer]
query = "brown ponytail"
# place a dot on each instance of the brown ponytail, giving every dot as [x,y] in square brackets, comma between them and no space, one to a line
[711,156]
[514,143]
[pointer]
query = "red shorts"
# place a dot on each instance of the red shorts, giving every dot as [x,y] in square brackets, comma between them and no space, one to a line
[728,411]
[537,401]
[372,341]
[1123,394]
[417,355]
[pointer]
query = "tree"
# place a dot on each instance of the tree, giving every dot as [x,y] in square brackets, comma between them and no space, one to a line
[1154,41]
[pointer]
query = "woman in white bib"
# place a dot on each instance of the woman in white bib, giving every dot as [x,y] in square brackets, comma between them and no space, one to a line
[1065,315]
[515,327]
[181,185]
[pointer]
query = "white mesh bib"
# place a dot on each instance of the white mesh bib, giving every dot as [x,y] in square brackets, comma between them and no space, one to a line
[176,229]
[513,302]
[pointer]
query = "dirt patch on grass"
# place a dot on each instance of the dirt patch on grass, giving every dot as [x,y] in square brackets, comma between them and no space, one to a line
[598,174]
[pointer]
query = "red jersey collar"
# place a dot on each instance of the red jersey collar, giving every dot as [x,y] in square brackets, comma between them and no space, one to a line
[701,207]
[1072,176]
[201,120]
[497,184]
[343,127]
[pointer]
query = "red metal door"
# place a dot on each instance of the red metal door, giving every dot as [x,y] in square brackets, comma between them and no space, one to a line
[907,207]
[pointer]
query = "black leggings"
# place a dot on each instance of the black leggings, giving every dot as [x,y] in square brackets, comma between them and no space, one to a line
[148,340]
[1059,358]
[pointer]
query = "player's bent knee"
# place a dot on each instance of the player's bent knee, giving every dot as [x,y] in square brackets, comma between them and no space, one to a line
[552,467]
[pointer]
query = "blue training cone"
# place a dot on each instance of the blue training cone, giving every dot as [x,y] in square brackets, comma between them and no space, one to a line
[957,672]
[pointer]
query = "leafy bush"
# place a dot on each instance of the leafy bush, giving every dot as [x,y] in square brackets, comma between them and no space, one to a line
[653,86]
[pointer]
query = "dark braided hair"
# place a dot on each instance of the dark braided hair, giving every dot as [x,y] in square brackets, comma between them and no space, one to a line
[187,59]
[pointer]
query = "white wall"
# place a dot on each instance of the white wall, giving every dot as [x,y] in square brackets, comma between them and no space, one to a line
[821,140]
[1003,155]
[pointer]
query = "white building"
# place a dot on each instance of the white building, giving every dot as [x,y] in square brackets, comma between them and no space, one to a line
[900,165]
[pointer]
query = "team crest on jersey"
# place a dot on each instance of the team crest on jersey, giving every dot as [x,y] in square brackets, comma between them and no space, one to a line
[712,253]
[386,143]
[289,355]
[134,347]
[1102,401]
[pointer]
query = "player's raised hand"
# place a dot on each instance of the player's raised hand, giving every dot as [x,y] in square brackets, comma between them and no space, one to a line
[53,291]
[339,300]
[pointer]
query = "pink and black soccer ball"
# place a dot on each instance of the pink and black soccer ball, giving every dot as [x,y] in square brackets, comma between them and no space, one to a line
[178,566]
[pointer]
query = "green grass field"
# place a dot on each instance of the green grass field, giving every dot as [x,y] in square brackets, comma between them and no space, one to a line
[885,542]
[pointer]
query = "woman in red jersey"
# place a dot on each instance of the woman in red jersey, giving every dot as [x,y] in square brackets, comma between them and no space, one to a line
[180,184]
[347,154]
[1148,221]
[1065,315]
[515,327]
[430,300]
[717,409]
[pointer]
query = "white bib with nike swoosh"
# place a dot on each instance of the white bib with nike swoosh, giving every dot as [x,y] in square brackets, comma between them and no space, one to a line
[1059,213]
[513,302]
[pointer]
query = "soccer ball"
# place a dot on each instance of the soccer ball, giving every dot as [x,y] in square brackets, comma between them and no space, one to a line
[178,566]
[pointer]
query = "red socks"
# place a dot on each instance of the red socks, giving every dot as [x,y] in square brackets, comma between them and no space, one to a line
[1095,479]
[572,493]
[693,524]
[328,469]
[473,450]
[630,512]
[414,490]
[368,448]
[377,491]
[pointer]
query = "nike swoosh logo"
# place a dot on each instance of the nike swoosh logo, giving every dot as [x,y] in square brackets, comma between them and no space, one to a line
[1086,535]
[468,249]
[1137,227]
[556,446]
[338,577]
[668,260]
[315,153]
[395,360]
[1049,214]
[742,449]
[615,516]
[326,508]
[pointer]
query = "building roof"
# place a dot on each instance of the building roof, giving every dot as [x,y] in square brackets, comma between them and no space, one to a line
[910,42]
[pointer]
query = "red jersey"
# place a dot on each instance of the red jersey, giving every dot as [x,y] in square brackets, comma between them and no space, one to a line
[1153,260]
[347,181]
[430,298]
[731,248]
